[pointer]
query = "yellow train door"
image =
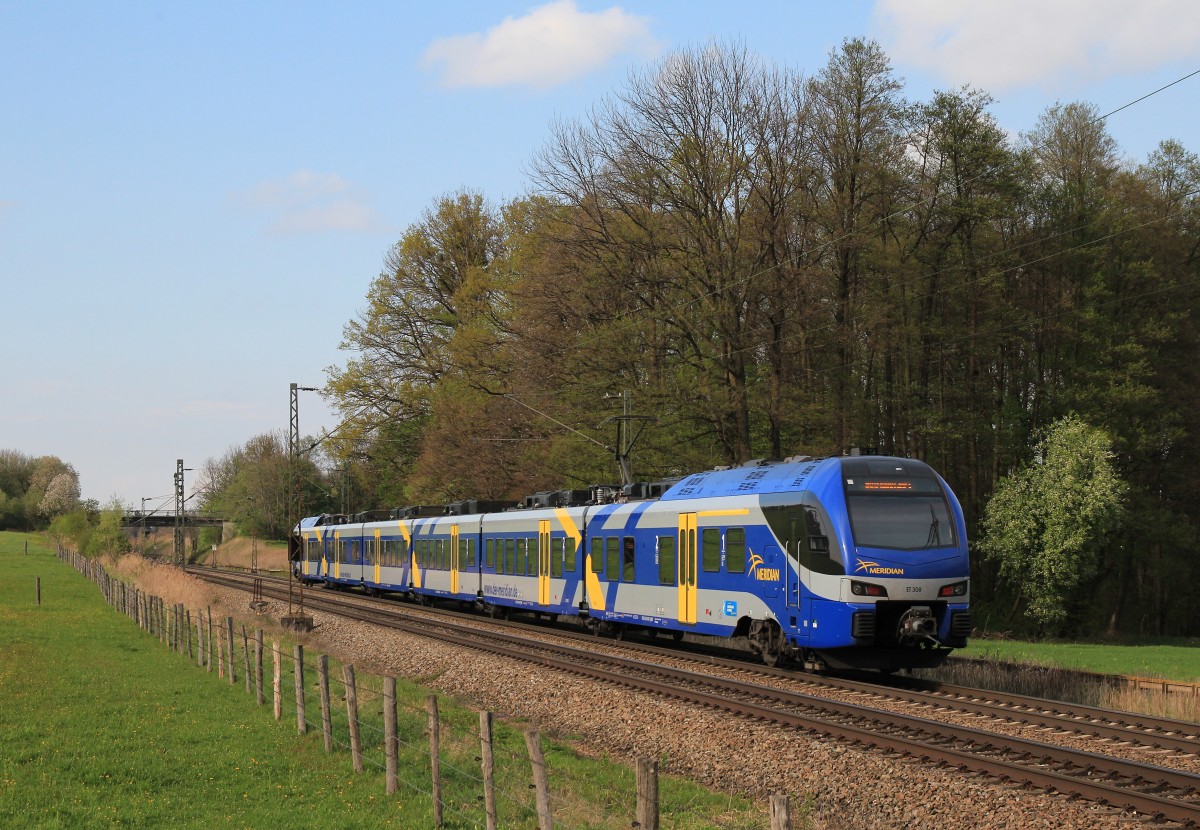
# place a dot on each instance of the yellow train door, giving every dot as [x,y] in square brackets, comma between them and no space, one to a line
[454,563]
[543,567]
[687,567]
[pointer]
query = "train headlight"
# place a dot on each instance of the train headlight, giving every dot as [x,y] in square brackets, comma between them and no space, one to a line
[867,589]
[955,589]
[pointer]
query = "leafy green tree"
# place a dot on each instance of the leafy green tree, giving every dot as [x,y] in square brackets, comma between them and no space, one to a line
[434,315]
[249,486]
[108,538]
[16,471]
[1047,523]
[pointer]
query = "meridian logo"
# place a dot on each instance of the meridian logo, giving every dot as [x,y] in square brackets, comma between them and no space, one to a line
[875,569]
[762,574]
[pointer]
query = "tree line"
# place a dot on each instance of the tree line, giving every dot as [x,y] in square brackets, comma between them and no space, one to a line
[774,264]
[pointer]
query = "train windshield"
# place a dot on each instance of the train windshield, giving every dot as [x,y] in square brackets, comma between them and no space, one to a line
[899,511]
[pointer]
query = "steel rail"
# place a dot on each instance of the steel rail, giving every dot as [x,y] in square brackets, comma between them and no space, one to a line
[1076,769]
[1071,719]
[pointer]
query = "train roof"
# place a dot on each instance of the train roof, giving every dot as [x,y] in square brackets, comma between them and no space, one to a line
[750,479]
[789,475]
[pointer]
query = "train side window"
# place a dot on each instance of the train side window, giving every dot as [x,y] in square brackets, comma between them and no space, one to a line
[471,553]
[711,555]
[556,557]
[818,542]
[489,548]
[521,557]
[368,551]
[735,550]
[345,552]
[612,559]
[535,560]
[666,560]
[570,563]
[510,556]
[598,556]
[628,548]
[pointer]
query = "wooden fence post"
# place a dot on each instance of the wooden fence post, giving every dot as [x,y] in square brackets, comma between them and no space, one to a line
[489,768]
[435,756]
[246,656]
[220,639]
[208,655]
[298,659]
[781,813]
[352,717]
[187,617]
[541,781]
[278,685]
[326,716]
[258,671]
[199,638]
[229,630]
[647,794]
[390,744]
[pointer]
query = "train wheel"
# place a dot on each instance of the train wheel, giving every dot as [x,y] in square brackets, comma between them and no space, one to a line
[767,639]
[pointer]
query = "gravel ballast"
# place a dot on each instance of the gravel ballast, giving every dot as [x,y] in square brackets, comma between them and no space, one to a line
[850,788]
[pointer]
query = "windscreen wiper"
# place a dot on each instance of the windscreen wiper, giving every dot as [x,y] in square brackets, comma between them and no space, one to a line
[935,536]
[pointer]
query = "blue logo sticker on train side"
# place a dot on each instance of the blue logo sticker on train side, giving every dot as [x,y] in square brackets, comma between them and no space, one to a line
[730,608]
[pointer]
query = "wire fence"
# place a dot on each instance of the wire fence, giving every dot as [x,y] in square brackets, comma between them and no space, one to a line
[469,774]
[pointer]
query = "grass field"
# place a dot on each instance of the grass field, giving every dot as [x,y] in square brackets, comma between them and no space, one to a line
[1172,662]
[102,726]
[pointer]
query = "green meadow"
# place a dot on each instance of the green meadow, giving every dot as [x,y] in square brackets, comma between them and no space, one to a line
[101,725]
[1171,661]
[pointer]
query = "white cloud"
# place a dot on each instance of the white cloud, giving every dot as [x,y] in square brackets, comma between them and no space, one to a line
[548,46]
[303,185]
[308,202]
[342,215]
[1000,45]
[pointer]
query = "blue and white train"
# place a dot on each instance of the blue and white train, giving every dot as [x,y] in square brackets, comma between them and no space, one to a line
[850,562]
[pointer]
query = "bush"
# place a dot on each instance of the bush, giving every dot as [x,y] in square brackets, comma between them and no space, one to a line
[72,530]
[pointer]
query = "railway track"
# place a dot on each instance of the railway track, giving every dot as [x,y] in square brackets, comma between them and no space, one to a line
[1149,790]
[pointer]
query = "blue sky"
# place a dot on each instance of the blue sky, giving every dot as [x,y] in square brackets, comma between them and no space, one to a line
[194,198]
